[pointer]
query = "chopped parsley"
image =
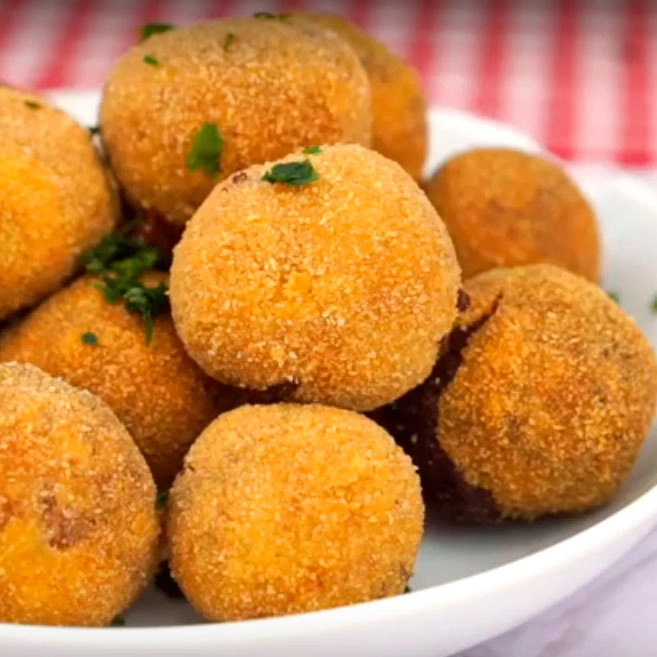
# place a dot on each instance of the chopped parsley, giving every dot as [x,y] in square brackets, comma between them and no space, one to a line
[205,152]
[312,150]
[118,621]
[294,174]
[32,104]
[152,60]
[90,338]
[161,500]
[119,261]
[614,296]
[149,29]
[653,306]
[228,41]
[94,130]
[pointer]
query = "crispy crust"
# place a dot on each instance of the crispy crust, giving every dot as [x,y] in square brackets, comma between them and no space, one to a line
[343,287]
[504,208]
[285,509]
[279,86]
[78,528]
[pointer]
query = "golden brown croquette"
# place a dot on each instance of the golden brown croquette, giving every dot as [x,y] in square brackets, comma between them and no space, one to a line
[505,208]
[399,108]
[273,87]
[78,527]
[285,509]
[539,406]
[56,201]
[340,288]
[162,397]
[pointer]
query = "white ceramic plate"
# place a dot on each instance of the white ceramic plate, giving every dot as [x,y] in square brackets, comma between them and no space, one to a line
[470,585]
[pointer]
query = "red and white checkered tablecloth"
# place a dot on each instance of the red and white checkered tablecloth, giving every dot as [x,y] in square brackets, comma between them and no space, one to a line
[580,75]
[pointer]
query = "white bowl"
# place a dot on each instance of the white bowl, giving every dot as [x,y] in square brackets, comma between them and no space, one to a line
[470,585]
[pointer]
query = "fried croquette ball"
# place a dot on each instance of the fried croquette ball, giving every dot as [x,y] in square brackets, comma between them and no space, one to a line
[399,108]
[539,406]
[78,526]
[505,208]
[225,95]
[162,397]
[285,509]
[56,199]
[340,288]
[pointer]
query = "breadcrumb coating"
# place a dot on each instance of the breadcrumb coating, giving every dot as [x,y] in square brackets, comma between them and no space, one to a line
[278,86]
[554,396]
[78,528]
[399,107]
[505,208]
[57,199]
[342,288]
[285,509]
[162,397]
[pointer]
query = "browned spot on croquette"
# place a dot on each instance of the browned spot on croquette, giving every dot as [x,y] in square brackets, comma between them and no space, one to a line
[346,285]
[462,301]
[505,208]
[288,84]
[63,526]
[413,419]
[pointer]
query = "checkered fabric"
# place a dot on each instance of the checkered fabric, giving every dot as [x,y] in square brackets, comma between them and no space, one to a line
[580,75]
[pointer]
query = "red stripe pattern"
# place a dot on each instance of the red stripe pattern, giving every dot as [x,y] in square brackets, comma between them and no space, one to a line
[581,75]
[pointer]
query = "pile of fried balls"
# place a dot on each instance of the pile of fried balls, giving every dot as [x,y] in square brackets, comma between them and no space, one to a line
[235,332]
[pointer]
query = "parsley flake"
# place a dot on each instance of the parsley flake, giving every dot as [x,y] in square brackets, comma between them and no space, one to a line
[118,621]
[90,338]
[94,130]
[119,261]
[152,60]
[294,174]
[312,150]
[149,29]
[205,152]
[228,41]
[161,500]
[614,296]
[32,104]
[653,306]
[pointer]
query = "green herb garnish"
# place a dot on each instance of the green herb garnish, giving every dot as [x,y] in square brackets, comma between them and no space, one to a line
[228,41]
[150,59]
[119,261]
[205,152]
[161,500]
[90,338]
[117,621]
[653,306]
[312,150]
[294,174]
[614,296]
[94,130]
[149,29]
[32,104]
